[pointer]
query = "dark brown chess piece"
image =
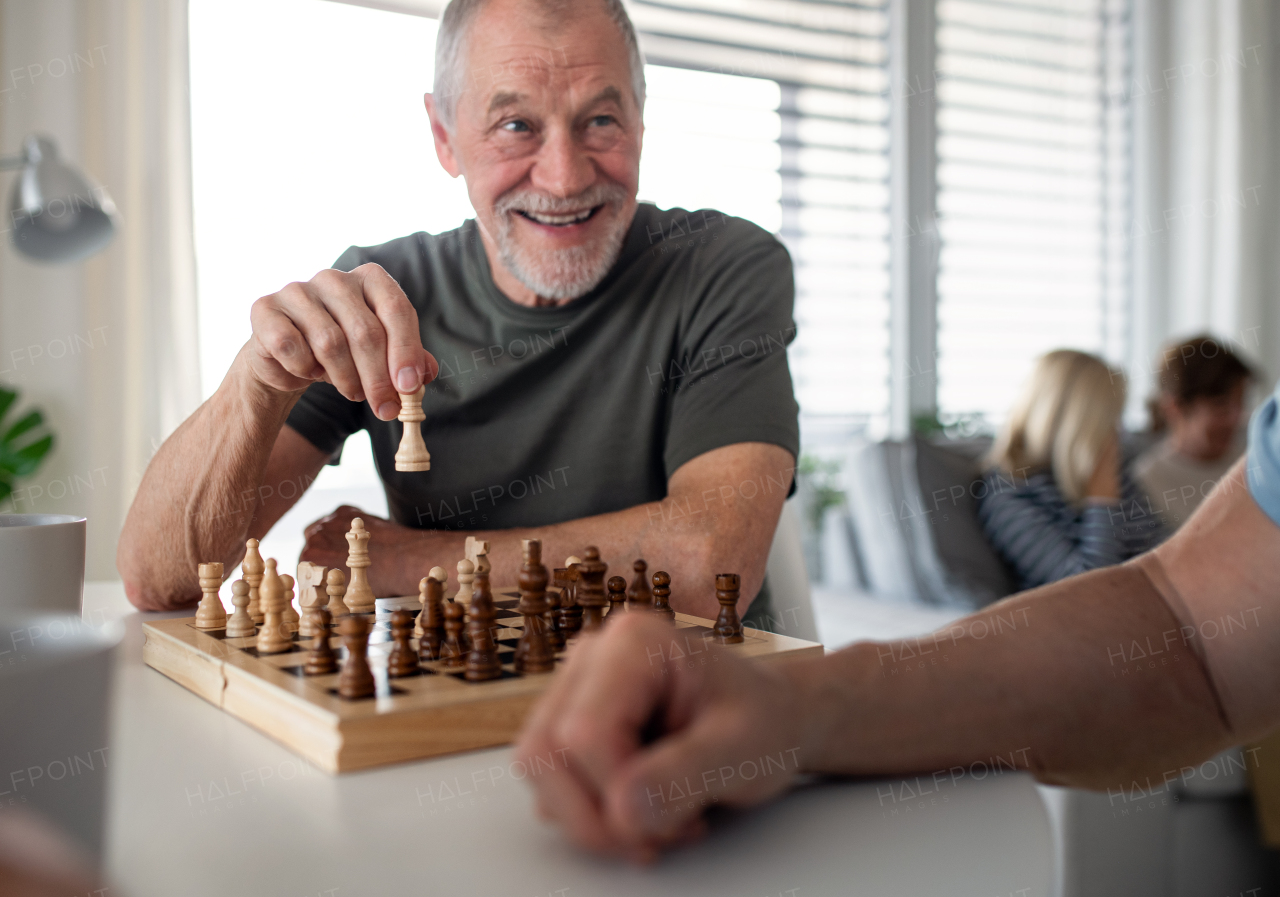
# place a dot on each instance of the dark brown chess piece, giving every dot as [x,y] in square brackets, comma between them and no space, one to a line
[551,621]
[356,679]
[452,653]
[638,595]
[482,658]
[402,661]
[433,624]
[569,615]
[617,595]
[728,627]
[533,652]
[590,589]
[662,595]
[321,659]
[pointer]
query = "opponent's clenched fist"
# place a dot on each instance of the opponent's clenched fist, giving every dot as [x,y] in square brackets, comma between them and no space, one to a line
[354,330]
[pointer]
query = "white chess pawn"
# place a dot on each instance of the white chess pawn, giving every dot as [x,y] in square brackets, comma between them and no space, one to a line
[211,614]
[412,456]
[240,625]
[466,578]
[288,616]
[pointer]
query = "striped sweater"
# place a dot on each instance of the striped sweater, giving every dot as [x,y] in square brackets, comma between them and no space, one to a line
[1045,539]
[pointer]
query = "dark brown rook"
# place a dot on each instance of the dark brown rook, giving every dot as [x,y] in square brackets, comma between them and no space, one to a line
[402,661]
[452,653]
[662,595]
[638,595]
[433,620]
[617,595]
[321,659]
[482,659]
[356,679]
[533,652]
[590,588]
[728,626]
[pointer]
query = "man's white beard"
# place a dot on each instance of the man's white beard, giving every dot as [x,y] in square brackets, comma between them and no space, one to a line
[565,273]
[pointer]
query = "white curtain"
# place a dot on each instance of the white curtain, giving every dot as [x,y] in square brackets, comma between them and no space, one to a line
[106,347]
[1206,235]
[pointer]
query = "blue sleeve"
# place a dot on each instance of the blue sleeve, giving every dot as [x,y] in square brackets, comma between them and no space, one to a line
[1263,464]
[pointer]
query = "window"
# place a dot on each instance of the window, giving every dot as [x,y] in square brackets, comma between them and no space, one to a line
[1032,155]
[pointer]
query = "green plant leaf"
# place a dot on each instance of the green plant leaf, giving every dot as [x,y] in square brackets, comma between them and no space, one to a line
[29,422]
[7,398]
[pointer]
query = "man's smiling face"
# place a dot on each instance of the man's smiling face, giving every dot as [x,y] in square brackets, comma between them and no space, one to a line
[547,133]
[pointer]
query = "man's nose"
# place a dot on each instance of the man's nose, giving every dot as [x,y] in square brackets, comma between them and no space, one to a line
[562,167]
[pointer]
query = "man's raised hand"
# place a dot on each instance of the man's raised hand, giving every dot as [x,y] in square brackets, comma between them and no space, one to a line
[357,331]
[644,730]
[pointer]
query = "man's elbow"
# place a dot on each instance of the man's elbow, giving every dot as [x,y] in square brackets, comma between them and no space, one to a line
[147,591]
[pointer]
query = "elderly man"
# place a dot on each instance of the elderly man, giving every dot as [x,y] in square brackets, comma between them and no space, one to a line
[601,372]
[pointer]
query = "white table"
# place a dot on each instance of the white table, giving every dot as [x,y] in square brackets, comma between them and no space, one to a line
[200,803]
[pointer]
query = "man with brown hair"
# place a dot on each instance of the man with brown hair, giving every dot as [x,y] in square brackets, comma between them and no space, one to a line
[1199,408]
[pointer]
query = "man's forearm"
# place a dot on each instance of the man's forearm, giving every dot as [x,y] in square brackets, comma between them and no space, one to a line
[1091,682]
[200,492]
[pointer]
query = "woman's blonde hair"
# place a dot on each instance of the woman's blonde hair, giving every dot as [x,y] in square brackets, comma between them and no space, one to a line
[1069,408]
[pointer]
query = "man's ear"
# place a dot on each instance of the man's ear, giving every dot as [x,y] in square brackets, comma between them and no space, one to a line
[443,139]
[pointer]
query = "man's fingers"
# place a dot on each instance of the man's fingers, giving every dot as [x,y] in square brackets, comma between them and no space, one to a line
[366,338]
[326,338]
[407,362]
[603,718]
[281,340]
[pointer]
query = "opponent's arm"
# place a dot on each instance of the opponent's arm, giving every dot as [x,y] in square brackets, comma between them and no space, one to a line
[719,516]
[203,493]
[1094,681]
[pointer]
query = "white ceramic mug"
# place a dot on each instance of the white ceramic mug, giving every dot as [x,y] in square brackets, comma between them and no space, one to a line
[41,563]
[55,690]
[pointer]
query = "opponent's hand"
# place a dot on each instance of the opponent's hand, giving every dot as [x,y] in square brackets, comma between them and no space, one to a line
[393,549]
[728,732]
[357,331]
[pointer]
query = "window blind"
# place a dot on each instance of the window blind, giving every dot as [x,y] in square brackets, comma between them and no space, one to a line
[830,61]
[1033,190]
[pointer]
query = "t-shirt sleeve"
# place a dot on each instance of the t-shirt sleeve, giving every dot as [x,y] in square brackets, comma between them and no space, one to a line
[735,385]
[323,416]
[1263,464]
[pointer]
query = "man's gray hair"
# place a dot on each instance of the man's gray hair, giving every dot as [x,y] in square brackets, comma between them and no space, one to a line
[451,43]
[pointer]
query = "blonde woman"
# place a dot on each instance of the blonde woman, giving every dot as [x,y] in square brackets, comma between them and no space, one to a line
[1059,500]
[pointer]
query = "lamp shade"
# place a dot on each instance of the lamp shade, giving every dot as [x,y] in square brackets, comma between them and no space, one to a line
[55,213]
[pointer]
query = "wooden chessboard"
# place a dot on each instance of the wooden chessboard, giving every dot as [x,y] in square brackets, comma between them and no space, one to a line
[436,712]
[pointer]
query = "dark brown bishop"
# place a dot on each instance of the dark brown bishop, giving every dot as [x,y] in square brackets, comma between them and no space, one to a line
[638,595]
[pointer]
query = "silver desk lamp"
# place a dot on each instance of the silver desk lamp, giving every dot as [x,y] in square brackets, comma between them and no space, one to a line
[56,214]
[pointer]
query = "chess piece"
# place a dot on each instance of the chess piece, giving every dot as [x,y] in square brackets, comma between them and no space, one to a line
[533,651]
[432,636]
[252,568]
[728,627]
[321,659]
[466,579]
[359,597]
[288,615]
[590,589]
[211,614]
[356,679]
[639,597]
[551,621]
[568,614]
[412,456]
[335,588]
[662,595]
[482,657]
[311,596]
[274,636]
[402,661]
[480,588]
[617,595]
[241,624]
[477,552]
[571,564]
[452,653]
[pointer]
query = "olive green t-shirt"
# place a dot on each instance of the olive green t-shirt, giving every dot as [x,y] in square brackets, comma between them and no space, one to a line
[542,415]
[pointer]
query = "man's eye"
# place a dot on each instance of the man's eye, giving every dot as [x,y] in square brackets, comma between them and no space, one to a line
[602,120]
[517,126]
